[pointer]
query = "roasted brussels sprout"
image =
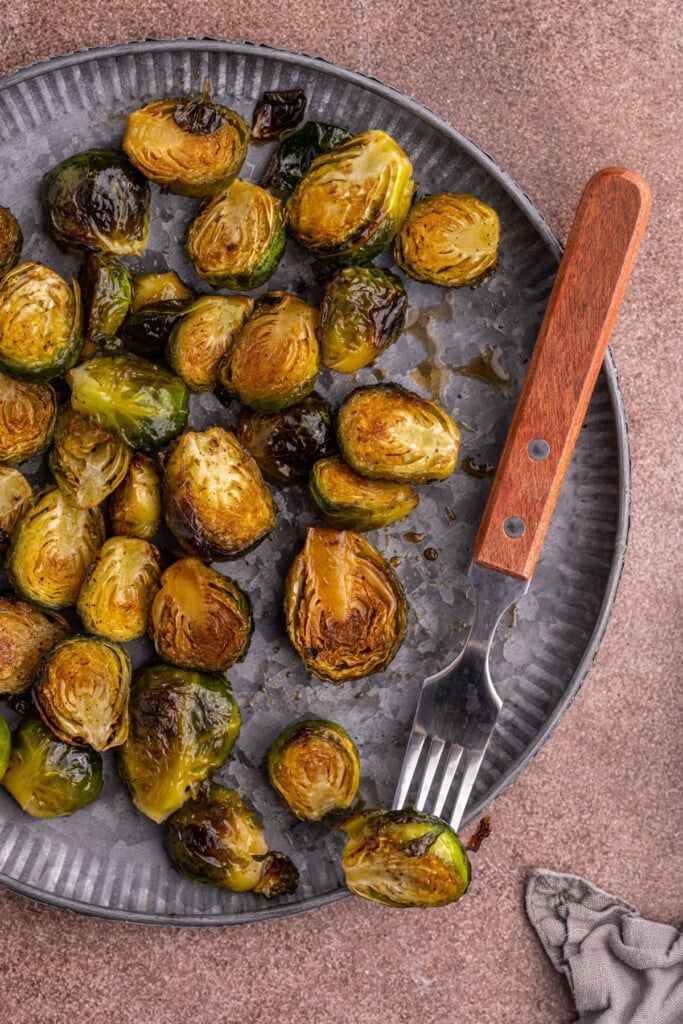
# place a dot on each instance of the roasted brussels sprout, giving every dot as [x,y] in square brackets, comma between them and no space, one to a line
[386,432]
[404,859]
[11,240]
[135,506]
[5,745]
[141,402]
[88,463]
[275,360]
[200,341]
[28,413]
[315,768]
[48,778]
[107,291]
[146,332]
[285,444]
[97,200]
[117,594]
[237,240]
[362,312]
[150,289]
[348,501]
[276,113]
[449,240]
[40,322]
[200,618]
[182,725]
[52,547]
[296,153]
[352,200]
[15,494]
[82,691]
[216,502]
[344,606]
[27,634]
[190,146]
[217,840]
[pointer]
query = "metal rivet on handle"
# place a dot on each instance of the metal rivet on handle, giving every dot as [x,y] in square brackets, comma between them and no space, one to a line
[514,526]
[538,449]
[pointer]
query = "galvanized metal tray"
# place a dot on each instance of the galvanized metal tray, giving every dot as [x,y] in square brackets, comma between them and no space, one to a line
[108,859]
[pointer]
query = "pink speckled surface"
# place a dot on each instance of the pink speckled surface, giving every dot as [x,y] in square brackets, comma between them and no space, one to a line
[553,91]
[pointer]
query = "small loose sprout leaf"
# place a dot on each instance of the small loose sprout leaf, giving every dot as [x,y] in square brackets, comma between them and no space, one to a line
[88,463]
[107,291]
[26,635]
[362,312]
[135,506]
[277,113]
[151,289]
[315,767]
[201,339]
[279,876]
[28,413]
[296,153]
[11,240]
[116,597]
[285,444]
[349,501]
[15,495]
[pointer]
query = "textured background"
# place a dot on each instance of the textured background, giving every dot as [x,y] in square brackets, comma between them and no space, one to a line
[552,91]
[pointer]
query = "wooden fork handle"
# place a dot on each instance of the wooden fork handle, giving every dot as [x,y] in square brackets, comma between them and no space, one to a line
[571,345]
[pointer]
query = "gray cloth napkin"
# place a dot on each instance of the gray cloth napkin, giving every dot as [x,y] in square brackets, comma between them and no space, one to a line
[621,968]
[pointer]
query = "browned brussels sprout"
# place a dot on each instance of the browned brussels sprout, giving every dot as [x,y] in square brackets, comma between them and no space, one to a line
[352,200]
[11,240]
[40,322]
[200,618]
[238,240]
[5,745]
[449,240]
[51,549]
[404,859]
[107,290]
[28,634]
[204,335]
[362,312]
[150,289]
[88,463]
[216,502]
[285,444]
[348,501]
[296,153]
[97,200]
[217,840]
[275,360]
[48,778]
[82,691]
[135,506]
[386,432]
[190,146]
[141,402]
[182,726]
[28,413]
[117,594]
[15,494]
[276,113]
[315,768]
[146,332]
[344,606]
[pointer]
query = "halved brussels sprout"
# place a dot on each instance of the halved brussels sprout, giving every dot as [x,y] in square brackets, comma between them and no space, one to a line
[97,200]
[285,444]
[28,413]
[362,312]
[5,745]
[141,402]
[386,432]
[404,859]
[117,594]
[276,113]
[352,200]
[11,240]
[146,332]
[40,322]
[275,360]
[200,618]
[52,547]
[190,146]
[150,289]
[182,725]
[315,768]
[345,608]
[82,691]
[216,502]
[217,840]
[27,635]
[49,778]
[237,240]
[15,494]
[348,501]
[135,506]
[107,290]
[448,239]
[88,463]
[203,337]
[296,153]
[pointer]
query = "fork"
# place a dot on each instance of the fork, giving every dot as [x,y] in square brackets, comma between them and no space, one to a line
[458,707]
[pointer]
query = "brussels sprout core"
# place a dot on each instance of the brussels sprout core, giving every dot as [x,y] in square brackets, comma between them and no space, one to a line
[116,597]
[315,768]
[348,501]
[28,634]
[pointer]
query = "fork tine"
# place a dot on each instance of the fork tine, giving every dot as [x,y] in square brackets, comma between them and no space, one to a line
[472,764]
[436,747]
[410,760]
[454,754]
